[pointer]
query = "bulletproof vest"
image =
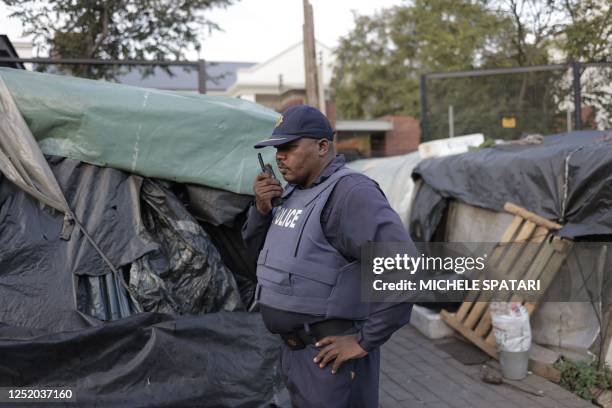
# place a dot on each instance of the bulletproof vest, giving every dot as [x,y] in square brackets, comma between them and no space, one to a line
[298,270]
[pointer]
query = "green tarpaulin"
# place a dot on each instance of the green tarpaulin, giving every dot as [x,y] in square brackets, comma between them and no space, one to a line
[189,138]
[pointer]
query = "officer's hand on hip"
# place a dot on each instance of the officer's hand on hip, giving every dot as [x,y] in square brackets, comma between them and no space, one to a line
[266,188]
[339,349]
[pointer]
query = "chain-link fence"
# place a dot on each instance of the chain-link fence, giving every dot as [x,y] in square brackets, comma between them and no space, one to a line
[513,102]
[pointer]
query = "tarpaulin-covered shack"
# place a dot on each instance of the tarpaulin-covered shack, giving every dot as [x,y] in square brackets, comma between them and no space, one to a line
[565,177]
[122,272]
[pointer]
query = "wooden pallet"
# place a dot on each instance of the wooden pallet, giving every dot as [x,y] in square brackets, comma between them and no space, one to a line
[540,261]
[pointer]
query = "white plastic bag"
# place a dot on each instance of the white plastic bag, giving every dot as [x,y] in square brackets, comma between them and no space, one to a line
[511,326]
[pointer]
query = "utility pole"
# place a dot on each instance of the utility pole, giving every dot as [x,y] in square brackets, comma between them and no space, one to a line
[451,121]
[321,84]
[310,57]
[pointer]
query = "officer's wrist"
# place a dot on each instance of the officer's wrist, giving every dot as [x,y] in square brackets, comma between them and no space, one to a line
[258,215]
[363,343]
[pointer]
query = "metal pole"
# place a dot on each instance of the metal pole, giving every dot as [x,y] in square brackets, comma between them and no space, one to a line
[451,121]
[495,71]
[569,120]
[201,76]
[577,96]
[424,123]
[321,85]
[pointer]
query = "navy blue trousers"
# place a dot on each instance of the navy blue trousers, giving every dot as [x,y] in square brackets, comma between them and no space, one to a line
[355,385]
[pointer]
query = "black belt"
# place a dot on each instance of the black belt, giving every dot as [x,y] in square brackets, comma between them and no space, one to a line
[310,334]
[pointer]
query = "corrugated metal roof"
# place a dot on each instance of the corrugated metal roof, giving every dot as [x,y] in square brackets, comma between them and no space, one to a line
[7,50]
[221,75]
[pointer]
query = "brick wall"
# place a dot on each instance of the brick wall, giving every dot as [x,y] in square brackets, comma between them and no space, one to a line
[354,148]
[404,137]
[287,103]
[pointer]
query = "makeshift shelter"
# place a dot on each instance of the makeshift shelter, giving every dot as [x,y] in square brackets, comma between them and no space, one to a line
[393,176]
[566,178]
[122,271]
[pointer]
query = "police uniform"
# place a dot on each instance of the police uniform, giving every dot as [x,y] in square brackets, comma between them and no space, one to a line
[308,270]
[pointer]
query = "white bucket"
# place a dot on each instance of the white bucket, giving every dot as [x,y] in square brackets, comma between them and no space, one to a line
[514,364]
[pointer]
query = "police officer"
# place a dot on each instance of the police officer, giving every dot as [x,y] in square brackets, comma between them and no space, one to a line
[308,265]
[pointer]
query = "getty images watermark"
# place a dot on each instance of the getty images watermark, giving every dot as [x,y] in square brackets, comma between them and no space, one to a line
[553,270]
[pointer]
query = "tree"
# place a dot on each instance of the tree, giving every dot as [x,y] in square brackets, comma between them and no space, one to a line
[379,61]
[534,25]
[370,78]
[588,37]
[114,29]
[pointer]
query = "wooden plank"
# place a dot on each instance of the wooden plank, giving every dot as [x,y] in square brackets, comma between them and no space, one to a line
[468,334]
[541,259]
[472,318]
[603,398]
[528,252]
[539,263]
[490,340]
[505,269]
[463,310]
[512,228]
[548,274]
[526,232]
[484,325]
[528,215]
[545,370]
[498,251]
[539,235]
[526,257]
[607,313]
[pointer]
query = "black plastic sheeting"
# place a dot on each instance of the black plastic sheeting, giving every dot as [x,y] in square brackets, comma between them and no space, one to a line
[234,253]
[214,206]
[152,360]
[185,273]
[567,178]
[40,273]
[66,319]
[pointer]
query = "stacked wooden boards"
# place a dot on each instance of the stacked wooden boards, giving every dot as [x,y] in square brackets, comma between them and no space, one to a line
[541,259]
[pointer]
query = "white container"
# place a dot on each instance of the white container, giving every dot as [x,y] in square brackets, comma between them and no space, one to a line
[514,364]
[451,145]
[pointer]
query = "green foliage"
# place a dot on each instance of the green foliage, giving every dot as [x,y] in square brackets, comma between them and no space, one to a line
[480,104]
[589,35]
[369,77]
[379,62]
[114,29]
[487,143]
[583,378]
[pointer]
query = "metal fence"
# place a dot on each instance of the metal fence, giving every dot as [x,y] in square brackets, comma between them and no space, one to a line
[199,65]
[512,102]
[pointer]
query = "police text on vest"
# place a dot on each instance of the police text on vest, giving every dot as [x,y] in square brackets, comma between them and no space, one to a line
[287,217]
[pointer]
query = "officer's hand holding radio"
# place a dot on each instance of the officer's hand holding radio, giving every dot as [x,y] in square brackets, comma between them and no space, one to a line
[266,188]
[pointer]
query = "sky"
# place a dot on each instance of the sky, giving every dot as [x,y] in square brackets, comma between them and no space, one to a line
[256,30]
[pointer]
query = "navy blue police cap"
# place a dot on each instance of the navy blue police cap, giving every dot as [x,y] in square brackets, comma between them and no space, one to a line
[297,122]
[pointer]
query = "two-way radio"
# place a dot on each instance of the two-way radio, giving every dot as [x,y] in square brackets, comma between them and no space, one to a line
[267,168]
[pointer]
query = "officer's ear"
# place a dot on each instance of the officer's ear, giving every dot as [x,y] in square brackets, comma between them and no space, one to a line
[324,146]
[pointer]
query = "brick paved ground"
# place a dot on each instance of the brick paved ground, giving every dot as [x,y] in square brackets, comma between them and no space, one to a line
[415,373]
